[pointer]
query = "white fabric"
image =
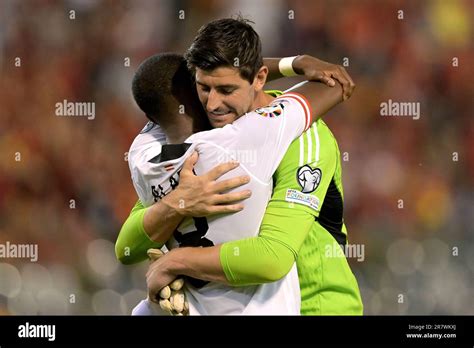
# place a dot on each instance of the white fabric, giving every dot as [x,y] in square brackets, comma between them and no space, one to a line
[259,143]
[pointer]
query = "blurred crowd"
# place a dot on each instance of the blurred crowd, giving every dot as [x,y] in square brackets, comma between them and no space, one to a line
[65,183]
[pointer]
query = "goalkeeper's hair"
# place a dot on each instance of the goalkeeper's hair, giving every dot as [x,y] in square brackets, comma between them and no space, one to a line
[161,81]
[228,42]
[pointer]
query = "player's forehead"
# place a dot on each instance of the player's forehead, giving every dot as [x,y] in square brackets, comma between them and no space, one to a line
[219,77]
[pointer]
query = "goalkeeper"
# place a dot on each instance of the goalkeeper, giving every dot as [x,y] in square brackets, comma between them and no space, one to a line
[303,216]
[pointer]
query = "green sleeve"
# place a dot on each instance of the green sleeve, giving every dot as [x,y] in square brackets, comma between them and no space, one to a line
[133,242]
[269,256]
[290,214]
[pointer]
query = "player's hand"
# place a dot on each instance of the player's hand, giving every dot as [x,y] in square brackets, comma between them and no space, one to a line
[315,69]
[203,195]
[163,287]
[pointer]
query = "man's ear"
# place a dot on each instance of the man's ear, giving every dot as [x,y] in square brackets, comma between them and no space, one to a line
[261,78]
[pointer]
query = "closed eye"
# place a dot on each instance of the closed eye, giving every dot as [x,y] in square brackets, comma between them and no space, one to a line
[226,91]
[204,88]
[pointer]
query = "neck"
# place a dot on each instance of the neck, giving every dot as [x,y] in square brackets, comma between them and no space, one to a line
[178,131]
[261,99]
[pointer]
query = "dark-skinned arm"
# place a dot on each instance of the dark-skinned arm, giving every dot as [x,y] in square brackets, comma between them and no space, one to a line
[314,69]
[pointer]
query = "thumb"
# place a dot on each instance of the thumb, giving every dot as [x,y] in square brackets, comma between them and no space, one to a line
[190,162]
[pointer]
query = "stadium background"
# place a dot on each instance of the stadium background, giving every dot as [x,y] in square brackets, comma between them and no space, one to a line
[408,251]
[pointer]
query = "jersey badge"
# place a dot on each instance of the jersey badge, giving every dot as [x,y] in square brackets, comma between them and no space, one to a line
[308,178]
[273,110]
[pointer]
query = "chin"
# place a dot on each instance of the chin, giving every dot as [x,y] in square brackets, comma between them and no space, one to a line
[218,124]
[221,122]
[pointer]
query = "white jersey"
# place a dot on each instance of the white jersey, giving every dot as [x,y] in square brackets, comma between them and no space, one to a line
[258,140]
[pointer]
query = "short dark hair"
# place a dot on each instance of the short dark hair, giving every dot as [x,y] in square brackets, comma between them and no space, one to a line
[220,42]
[158,80]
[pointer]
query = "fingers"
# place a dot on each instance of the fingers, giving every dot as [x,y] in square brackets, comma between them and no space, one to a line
[232,197]
[321,76]
[152,296]
[221,169]
[152,291]
[329,81]
[317,70]
[326,79]
[351,84]
[345,80]
[342,82]
[226,209]
[230,184]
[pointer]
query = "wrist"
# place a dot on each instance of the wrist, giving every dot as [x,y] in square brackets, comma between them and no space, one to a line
[175,264]
[298,64]
[286,66]
[173,203]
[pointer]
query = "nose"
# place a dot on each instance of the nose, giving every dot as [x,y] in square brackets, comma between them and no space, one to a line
[214,101]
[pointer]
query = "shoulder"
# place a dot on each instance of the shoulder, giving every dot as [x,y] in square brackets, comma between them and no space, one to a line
[325,134]
[147,144]
[290,105]
[150,134]
[285,105]
[297,100]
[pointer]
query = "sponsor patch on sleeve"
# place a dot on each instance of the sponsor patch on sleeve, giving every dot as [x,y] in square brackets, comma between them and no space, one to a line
[295,196]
